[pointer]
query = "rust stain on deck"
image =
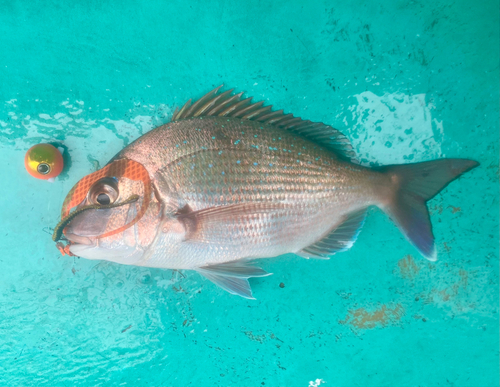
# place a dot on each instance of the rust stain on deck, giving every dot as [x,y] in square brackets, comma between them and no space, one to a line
[451,292]
[408,268]
[381,317]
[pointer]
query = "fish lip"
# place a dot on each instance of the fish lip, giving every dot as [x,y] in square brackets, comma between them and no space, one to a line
[78,239]
[77,249]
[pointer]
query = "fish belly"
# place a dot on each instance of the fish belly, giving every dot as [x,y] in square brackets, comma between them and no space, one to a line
[286,230]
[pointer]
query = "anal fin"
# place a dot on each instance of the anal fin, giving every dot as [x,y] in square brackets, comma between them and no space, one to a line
[233,276]
[340,239]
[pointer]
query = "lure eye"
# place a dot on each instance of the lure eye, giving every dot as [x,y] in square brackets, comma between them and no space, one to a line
[43,168]
[103,192]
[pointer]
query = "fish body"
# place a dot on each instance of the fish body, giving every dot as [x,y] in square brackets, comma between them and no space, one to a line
[228,181]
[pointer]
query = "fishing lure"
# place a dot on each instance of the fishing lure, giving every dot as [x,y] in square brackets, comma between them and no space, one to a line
[44,161]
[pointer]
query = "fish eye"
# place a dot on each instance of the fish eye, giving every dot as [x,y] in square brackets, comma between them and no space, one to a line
[103,192]
[103,199]
[43,168]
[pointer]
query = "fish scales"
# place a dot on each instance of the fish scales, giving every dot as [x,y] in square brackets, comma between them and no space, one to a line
[258,161]
[228,181]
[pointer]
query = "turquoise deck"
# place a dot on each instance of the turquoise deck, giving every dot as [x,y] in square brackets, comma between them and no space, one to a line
[406,81]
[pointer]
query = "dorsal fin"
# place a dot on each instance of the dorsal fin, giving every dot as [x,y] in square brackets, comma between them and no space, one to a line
[227,105]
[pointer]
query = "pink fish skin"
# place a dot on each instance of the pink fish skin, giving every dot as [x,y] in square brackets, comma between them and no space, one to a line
[233,181]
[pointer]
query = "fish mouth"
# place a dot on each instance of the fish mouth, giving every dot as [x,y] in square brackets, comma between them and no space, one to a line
[78,239]
[90,248]
[79,250]
[78,244]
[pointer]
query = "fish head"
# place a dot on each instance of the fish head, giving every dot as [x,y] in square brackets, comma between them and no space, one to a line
[111,214]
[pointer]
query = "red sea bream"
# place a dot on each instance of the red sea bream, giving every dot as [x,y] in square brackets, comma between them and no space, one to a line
[229,181]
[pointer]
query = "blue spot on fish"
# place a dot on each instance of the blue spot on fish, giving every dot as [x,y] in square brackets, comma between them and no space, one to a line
[255,163]
[210,165]
[237,162]
[237,142]
[213,137]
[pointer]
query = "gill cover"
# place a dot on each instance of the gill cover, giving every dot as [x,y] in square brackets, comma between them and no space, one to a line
[129,169]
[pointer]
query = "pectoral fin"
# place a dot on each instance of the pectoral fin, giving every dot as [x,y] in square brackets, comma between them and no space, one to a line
[209,224]
[233,276]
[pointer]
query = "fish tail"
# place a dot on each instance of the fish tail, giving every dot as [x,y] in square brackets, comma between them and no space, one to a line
[414,185]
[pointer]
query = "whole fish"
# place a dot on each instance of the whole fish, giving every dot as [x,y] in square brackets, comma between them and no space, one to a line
[229,181]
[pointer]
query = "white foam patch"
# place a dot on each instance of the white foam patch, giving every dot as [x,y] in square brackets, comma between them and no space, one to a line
[102,138]
[315,383]
[388,129]
[394,128]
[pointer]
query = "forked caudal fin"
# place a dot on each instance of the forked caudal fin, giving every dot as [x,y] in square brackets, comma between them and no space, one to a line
[415,185]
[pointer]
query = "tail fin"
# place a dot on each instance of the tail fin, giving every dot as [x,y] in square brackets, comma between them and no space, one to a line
[416,184]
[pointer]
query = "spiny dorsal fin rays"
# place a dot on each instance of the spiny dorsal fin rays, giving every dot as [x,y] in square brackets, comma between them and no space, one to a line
[278,120]
[236,107]
[272,117]
[195,106]
[256,114]
[212,102]
[246,110]
[179,114]
[227,105]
